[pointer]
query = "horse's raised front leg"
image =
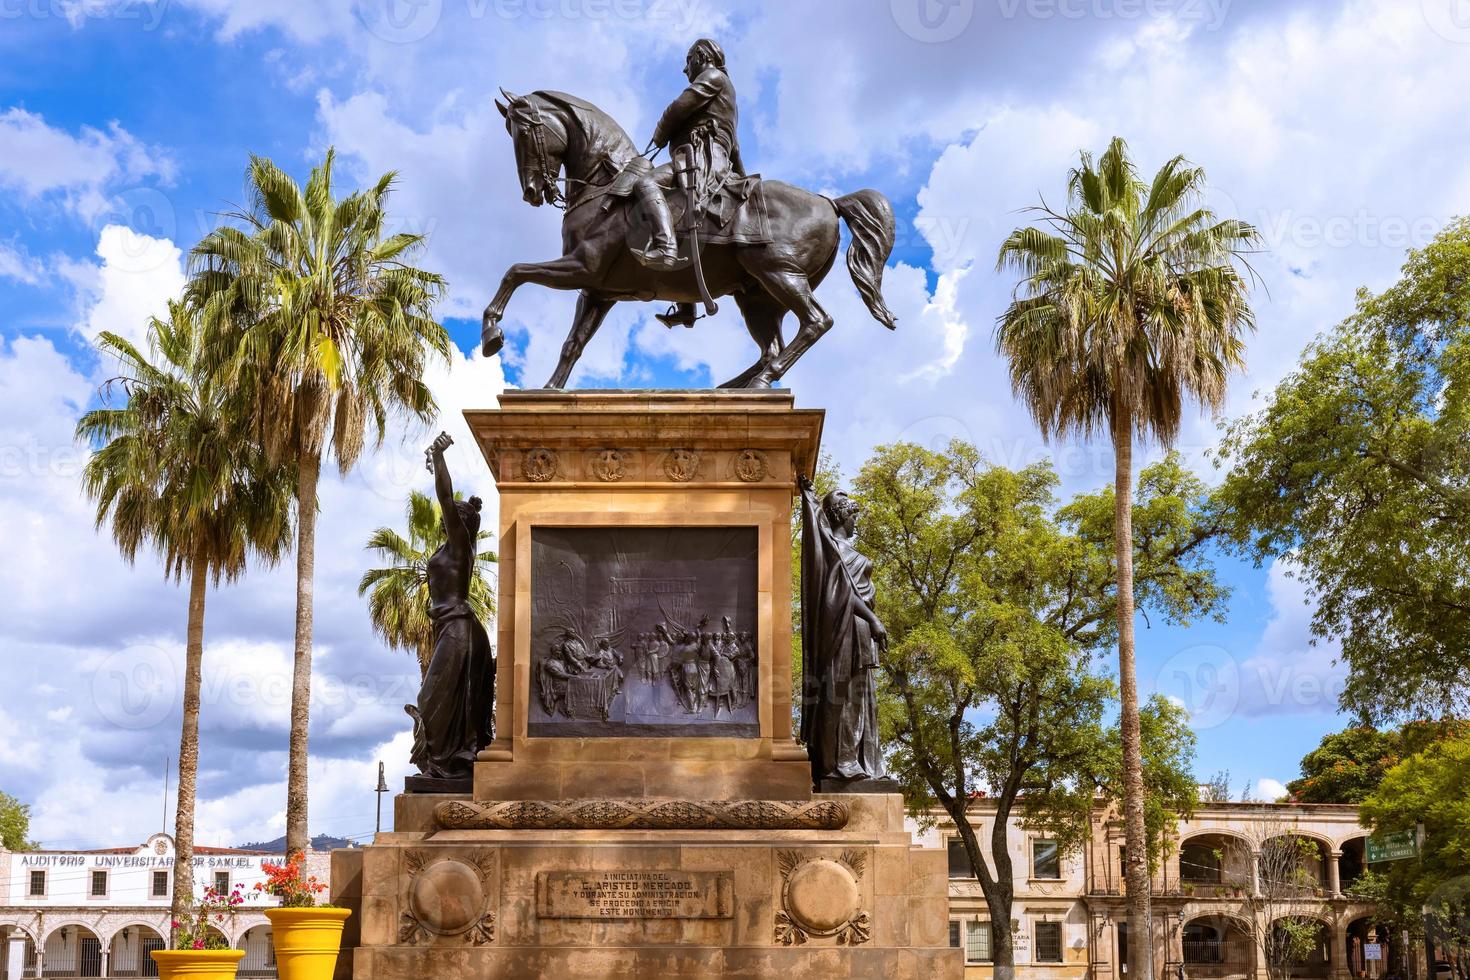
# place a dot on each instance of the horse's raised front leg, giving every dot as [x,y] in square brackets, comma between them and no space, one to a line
[568,272]
[590,313]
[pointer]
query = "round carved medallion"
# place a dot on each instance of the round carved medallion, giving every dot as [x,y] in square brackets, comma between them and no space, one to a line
[822,896]
[538,465]
[447,897]
[608,465]
[680,465]
[750,465]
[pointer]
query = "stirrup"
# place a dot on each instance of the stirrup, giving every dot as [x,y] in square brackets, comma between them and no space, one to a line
[675,317]
[660,259]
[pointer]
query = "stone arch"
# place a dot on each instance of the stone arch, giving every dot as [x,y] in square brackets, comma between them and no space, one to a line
[1213,860]
[1319,963]
[29,958]
[1217,945]
[260,952]
[129,945]
[1356,935]
[72,948]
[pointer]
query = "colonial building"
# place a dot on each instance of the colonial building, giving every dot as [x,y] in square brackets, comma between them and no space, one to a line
[1237,876]
[99,913]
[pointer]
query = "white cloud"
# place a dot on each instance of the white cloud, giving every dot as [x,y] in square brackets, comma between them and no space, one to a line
[37,160]
[1269,790]
[137,277]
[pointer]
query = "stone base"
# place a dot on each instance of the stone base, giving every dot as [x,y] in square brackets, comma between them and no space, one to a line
[437,784]
[856,901]
[864,785]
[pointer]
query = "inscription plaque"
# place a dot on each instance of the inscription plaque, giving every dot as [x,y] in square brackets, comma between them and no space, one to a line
[644,632]
[634,894]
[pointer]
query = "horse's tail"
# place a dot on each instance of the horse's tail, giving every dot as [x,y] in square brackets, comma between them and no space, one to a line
[869,217]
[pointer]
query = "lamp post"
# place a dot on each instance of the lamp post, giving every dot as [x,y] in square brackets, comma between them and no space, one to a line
[382,788]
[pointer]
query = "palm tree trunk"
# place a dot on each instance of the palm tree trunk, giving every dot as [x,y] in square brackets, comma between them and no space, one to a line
[309,472]
[189,742]
[426,654]
[1140,933]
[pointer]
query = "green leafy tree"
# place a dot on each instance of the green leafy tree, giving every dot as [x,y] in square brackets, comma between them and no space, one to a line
[317,317]
[1358,472]
[1348,765]
[994,606]
[1129,302]
[15,824]
[173,471]
[398,594]
[1430,787]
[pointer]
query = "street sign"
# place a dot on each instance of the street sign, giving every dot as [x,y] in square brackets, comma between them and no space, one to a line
[1392,847]
[1372,951]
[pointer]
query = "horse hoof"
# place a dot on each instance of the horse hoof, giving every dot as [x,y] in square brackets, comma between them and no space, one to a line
[492,338]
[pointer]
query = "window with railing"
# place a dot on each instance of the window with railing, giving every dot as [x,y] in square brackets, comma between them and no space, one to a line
[1048,942]
[160,884]
[36,886]
[99,884]
[977,942]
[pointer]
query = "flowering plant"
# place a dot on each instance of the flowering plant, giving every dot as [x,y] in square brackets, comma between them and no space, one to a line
[286,883]
[196,928]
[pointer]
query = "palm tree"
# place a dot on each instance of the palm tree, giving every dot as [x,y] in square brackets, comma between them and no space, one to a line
[172,471]
[399,599]
[316,315]
[1129,300]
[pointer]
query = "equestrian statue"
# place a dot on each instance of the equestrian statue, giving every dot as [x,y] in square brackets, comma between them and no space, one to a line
[687,231]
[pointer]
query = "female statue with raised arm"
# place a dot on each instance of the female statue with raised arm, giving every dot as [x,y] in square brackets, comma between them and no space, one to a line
[455,715]
[841,638]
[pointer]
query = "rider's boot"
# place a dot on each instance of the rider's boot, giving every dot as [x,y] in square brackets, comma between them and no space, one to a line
[678,315]
[663,250]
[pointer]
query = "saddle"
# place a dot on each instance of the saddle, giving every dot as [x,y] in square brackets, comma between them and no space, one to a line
[734,213]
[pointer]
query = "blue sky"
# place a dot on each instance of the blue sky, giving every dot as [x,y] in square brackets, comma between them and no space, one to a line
[125,127]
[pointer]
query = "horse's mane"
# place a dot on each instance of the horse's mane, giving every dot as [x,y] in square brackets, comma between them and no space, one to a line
[601,130]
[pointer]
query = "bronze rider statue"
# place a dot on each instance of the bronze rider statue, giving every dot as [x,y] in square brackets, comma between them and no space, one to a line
[704,117]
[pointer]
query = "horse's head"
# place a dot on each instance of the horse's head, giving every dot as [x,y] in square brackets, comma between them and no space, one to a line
[540,140]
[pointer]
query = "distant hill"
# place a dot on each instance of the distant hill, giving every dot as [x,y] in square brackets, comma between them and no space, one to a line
[321,842]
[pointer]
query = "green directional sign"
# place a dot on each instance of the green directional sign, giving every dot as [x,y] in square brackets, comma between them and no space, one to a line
[1392,847]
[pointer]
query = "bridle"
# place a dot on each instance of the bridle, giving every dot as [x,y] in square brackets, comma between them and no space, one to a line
[525,114]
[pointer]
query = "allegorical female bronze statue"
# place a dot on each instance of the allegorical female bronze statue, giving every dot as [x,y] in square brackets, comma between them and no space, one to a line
[841,638]
[454,718]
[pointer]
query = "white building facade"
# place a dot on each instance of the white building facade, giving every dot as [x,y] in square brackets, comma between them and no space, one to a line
[99,913]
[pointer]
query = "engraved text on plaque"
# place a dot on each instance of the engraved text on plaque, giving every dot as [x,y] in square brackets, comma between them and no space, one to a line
[634,894]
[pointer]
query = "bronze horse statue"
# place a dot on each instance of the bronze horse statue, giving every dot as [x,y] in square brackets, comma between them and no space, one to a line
[556,133]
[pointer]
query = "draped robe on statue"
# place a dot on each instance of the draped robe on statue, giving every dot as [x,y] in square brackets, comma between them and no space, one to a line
[839,708]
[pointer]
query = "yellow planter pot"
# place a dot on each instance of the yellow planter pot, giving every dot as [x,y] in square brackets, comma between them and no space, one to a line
[307,941]
[197,964]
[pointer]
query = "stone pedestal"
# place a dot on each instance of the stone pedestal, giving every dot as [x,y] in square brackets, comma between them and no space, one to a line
[644,815]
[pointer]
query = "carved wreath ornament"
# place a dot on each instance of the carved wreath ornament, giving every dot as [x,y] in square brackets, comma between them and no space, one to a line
[609,465]
[448,896]
[820,897]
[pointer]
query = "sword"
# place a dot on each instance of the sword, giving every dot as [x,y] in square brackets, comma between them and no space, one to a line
[687,173]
